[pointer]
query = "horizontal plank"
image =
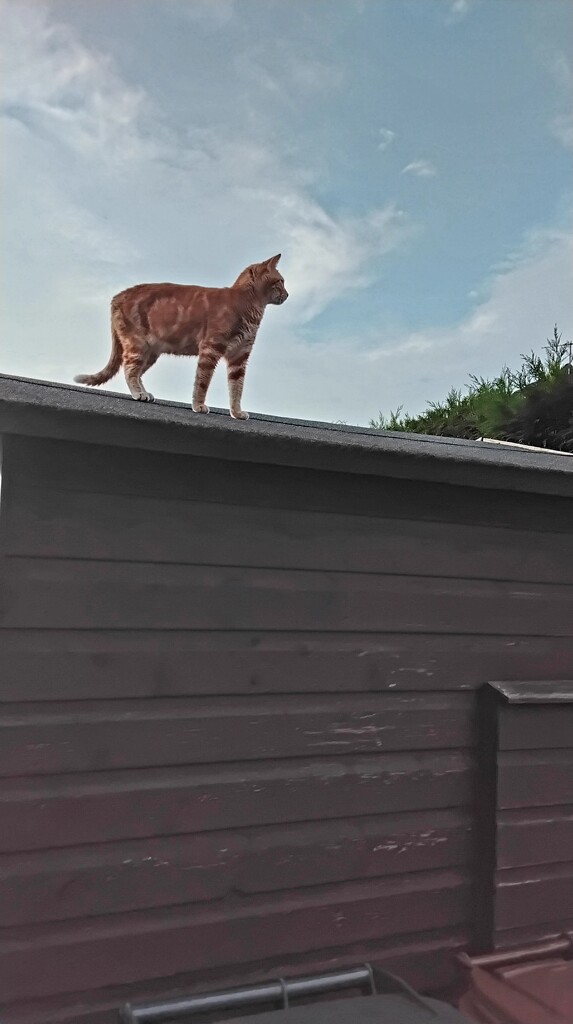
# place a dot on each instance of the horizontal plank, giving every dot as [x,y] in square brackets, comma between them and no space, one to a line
[529,897]
[116,877]
[424,961]
[40,739]
[526,837]
[51,593]
[49,665]
[133,948]
[534,726]
[43,463]
[51,523]
[69,810]
[535,778]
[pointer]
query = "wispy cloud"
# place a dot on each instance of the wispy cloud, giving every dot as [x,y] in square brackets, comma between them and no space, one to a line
[330,256]
[561,125]
[421,168]
[561,73]
[386,138]
[562,129]
[457,10]
[309,74]
[61,88]
[290,78]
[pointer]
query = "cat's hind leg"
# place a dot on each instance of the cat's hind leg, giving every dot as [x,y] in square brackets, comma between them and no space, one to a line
[135,363]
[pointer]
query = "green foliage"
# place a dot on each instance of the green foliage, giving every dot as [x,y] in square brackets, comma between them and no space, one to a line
[535,401]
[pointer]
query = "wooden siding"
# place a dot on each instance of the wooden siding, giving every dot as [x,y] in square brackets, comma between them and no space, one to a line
[238,717]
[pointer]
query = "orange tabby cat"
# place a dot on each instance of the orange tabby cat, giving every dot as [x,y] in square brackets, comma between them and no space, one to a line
[187,320]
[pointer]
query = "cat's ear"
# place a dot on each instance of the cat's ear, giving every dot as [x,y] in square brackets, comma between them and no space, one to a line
[273,261]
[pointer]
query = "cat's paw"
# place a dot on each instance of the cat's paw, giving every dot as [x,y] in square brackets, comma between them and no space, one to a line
[144,397]
[238,415]
[200,408]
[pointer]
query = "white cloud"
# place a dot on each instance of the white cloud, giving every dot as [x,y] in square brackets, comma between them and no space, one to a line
[561,126]
[421,168]
[562,129]
[309,74]
[286,73]
[56,84]
[457,10]
[387,137]
[327,256]
[560,71]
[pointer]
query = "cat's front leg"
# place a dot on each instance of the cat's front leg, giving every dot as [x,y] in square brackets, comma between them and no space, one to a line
[208,360]
[236,370]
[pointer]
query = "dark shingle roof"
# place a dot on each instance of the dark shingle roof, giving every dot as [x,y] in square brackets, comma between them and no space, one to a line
[47,409]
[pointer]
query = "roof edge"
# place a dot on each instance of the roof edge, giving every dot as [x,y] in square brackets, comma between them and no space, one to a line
[48,409]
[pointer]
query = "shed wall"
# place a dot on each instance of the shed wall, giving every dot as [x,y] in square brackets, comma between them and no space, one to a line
[238,716]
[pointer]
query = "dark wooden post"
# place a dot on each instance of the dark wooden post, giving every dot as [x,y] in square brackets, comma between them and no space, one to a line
[524,812]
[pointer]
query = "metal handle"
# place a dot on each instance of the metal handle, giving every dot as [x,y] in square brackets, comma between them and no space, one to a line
[515,956]
[233,999]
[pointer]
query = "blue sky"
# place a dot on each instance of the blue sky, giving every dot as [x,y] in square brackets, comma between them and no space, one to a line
[410,158]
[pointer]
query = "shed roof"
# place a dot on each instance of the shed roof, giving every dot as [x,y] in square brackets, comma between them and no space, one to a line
[52,410]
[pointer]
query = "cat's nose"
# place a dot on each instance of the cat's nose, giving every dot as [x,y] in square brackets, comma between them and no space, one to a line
[285,295]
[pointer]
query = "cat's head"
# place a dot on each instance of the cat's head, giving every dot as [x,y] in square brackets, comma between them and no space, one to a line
[266,279]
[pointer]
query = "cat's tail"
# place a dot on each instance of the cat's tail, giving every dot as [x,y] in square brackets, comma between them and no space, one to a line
[112,367]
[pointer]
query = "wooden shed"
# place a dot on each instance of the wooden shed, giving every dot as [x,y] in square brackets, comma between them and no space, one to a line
[245,723]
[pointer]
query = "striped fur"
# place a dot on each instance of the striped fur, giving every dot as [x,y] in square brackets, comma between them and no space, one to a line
[188,320]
